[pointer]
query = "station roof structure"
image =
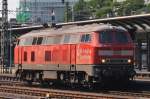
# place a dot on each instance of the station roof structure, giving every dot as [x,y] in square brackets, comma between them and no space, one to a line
[134,23]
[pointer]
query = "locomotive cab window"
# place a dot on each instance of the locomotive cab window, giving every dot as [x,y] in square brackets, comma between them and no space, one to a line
[121,37]
[106,36]
[86,38]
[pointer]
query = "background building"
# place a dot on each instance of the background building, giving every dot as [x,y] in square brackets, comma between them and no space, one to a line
[40,11]
[119,0]
[147,1]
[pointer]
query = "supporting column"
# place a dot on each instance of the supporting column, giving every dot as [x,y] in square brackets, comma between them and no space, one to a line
[139,54]
[148,50]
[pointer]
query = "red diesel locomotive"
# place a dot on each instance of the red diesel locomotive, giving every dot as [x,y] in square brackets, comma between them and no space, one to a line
[77,54]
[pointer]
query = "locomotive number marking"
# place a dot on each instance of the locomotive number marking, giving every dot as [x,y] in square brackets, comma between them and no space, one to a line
[84,54]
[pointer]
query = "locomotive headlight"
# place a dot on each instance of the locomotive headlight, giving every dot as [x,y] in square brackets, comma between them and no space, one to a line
[129,60]
[103,60]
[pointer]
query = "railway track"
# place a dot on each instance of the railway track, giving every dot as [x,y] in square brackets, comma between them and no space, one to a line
[59,94]
[143,76]
[10,86]
[142,94]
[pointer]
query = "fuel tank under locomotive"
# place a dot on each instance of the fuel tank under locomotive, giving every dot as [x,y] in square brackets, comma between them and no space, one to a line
[113,72]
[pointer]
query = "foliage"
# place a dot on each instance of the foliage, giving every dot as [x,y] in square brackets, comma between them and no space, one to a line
[132,6]
[80,5]
[109,8]
[104,12]
[147,8]
[100,8]
[81,10]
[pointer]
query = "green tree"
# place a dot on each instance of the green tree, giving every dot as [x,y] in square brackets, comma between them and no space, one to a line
[105,8]
[133,5]
[118,8]
[80,5]
[100,8]
[81,10]
[128,7]
[104,12]
[147,8]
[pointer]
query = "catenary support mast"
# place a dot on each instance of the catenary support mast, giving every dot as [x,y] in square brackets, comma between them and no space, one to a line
[4,36]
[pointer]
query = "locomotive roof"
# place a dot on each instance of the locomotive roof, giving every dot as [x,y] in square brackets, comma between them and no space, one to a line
[71,29]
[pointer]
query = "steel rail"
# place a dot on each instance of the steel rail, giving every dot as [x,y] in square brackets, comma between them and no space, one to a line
[141,94]
[71,94]
[12,85]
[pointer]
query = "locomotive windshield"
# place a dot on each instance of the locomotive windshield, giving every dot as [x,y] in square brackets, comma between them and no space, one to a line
[121,37]
[116,36]
[106,37]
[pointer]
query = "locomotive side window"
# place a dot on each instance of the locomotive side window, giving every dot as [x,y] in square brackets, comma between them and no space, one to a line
[57,40]
[25,56]
[22,41]
[106,36]
[39,40]
[50,40]
[121,37]
[86,38]
[34,41]
[83,38]
[75,38]
[66,39]
[28,41]
[47,55]
[32,56]
[44,40]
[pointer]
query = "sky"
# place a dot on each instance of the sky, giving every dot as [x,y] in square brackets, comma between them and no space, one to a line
[12,5]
